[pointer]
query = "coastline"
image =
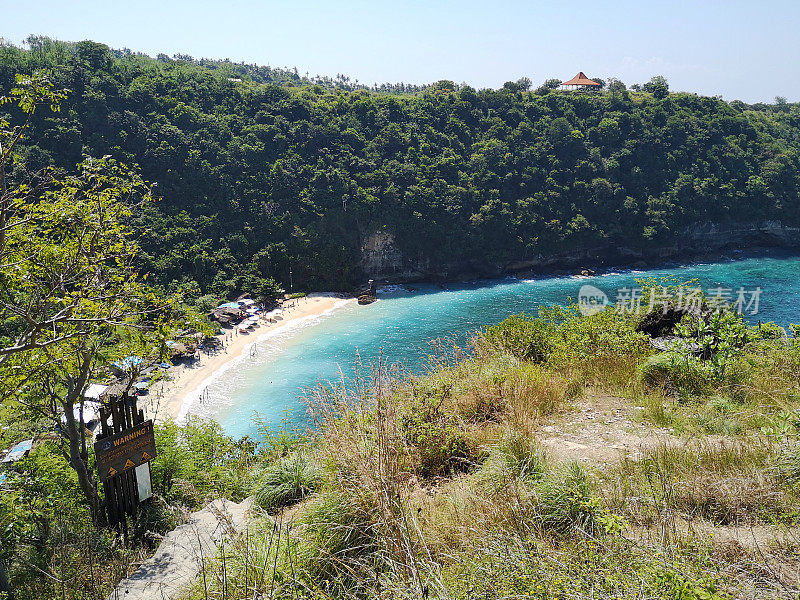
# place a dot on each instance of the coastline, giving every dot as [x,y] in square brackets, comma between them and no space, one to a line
[173,397]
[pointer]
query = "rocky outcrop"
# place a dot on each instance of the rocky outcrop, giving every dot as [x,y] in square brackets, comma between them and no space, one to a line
[380,254]
[383,259]
[183,552]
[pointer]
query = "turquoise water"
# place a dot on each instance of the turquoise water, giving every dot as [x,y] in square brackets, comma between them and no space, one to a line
[402,323]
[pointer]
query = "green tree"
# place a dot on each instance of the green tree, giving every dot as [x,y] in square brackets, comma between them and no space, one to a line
[69,285]
[657,86]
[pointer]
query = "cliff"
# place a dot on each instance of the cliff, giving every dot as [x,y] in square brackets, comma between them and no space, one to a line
[383,260]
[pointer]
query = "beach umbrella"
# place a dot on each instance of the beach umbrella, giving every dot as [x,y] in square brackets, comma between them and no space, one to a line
[95,390]
[91,412]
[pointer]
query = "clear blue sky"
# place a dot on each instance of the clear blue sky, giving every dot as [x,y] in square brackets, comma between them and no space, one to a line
[745,50]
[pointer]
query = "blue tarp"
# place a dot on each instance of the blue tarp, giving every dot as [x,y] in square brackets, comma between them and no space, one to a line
[229,305]
[127,363]
[18,452]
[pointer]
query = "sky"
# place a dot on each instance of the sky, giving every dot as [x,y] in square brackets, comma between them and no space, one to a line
[738,50]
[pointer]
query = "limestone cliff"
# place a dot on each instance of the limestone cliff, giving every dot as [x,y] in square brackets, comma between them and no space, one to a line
[383,260]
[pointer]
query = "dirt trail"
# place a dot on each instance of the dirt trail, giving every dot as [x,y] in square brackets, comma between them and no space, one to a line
[601,429]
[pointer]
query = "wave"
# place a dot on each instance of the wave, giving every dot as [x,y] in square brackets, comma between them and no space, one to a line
[291,327]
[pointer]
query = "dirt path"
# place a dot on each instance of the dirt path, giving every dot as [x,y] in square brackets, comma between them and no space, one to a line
[601,429]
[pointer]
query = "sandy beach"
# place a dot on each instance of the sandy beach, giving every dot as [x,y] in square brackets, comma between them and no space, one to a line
[170,398]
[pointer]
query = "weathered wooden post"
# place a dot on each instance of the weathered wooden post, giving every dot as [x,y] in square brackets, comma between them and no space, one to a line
[124,450]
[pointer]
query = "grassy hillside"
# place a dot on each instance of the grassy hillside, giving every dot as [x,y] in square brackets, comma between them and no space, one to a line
[262,171]
[562,457]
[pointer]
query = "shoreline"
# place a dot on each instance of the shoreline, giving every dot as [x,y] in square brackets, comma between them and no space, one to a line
[600,268]
[173,397]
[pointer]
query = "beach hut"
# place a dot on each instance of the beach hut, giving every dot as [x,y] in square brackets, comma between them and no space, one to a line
[229,305]
[176,347]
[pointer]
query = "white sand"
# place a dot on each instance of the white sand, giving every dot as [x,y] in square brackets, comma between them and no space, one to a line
[173,397]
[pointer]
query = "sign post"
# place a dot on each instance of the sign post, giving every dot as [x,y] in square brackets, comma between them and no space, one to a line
[124,450]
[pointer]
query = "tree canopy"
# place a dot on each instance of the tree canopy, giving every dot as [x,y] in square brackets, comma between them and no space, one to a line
[262,172]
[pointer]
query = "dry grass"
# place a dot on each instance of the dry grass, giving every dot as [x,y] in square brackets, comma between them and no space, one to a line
[723,482]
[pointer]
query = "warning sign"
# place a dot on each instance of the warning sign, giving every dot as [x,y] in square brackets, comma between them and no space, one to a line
[126,450]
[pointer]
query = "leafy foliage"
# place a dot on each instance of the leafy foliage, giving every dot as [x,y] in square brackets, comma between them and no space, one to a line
[275,172]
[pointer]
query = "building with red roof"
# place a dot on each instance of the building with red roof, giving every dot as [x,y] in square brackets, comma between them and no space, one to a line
[580,82]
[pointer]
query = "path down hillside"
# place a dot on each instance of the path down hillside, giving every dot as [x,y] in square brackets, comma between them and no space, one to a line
[180,556]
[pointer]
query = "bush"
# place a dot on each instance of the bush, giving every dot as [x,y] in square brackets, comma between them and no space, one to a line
[525,338]
[438,439]
[517,458]
[338,534]
[766,331]
[565,504]
[531,390]
[674,372]
[790,463]
[292,478]
[198,461]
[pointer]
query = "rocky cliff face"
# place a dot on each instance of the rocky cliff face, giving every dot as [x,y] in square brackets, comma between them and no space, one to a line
[383,260]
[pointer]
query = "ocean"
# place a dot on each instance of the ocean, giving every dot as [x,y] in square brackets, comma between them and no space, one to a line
[267,385]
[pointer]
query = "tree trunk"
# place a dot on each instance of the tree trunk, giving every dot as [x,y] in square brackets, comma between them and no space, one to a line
[4,586]
[77,456]
[77,460]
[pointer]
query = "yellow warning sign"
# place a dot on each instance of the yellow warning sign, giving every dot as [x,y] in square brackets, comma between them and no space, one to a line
[125,450]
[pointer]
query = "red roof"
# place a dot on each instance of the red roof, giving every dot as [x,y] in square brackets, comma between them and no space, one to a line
[580,79]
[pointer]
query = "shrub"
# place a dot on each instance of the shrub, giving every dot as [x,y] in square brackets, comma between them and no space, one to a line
[290,479]
[525,338]
[339,534]
[516,459]
[531,390]
[440,443]
[790,463]
[564,503]
[674,372]
[198,461]
[766,331]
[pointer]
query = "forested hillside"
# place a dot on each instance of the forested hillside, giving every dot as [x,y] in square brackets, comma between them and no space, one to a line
[261,171]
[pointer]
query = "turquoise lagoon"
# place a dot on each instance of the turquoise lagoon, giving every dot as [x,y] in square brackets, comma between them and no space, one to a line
[271,380]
